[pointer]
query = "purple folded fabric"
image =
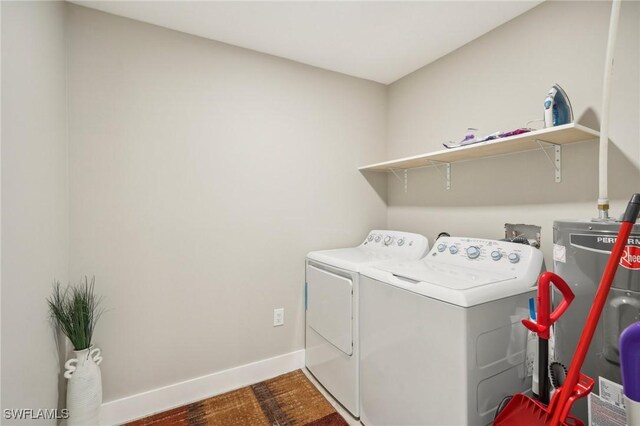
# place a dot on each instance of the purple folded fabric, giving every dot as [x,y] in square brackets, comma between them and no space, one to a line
[515,132]
[471,139]
[630,361]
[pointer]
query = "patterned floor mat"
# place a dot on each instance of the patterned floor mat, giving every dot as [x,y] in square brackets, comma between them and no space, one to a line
[287,400]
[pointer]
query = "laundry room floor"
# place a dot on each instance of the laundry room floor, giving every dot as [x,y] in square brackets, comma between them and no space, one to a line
[292,399]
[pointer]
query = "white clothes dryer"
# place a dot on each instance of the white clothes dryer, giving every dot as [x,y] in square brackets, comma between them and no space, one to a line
[331,305]
[441,341]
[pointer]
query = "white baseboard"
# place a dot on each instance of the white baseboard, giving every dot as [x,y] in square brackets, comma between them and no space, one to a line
[172,396]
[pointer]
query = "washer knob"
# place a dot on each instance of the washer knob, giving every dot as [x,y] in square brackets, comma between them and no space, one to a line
[370,237]
[441,247]
[378,238]
[388,240]
[400,242]
[514,257]
[496,255]
[473,252]
[453,249]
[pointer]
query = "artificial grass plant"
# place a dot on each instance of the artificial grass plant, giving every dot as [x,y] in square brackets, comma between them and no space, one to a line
[76,310]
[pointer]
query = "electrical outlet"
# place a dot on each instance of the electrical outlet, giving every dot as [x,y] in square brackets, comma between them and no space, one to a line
[278,317]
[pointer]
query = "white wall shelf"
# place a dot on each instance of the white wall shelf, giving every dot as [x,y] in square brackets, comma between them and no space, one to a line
[553,138]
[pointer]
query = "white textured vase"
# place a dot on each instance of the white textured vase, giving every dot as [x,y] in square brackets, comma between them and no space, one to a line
[84,390]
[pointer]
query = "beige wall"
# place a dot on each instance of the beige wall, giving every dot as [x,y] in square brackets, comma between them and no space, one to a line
[201,174]
[499,82]
[34,198]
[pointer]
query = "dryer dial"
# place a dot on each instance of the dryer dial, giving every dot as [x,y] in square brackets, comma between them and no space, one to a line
[378,238]
[400,242]
[514,257]
[388,240]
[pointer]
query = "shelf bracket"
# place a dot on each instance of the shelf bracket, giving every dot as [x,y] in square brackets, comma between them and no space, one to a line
[404,179]
[557,161]
[447,173]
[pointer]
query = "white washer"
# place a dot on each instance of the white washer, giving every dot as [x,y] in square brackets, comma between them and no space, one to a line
[332,290]
[441,341]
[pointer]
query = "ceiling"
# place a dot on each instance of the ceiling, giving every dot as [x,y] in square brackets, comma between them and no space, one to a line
[375,40]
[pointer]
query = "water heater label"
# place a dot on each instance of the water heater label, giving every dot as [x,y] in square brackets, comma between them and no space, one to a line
[631,257]
[611,392]
[559,253]
[604,413]
[600,243]
[604,244]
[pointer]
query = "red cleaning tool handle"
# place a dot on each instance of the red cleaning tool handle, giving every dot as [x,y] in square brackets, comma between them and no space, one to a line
[545,319]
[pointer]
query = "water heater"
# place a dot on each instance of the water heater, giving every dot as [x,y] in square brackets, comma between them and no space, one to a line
[581,251]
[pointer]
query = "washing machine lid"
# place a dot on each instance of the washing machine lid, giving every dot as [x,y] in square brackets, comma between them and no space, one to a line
[462,286]
[449,276]
[350,259]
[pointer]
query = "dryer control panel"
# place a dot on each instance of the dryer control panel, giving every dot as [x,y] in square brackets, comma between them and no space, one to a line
[396,241]
[476,252]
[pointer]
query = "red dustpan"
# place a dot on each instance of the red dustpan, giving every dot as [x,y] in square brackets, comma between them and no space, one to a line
[522,410]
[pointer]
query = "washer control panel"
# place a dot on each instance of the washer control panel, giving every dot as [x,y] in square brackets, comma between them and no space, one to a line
[478,252]
[396,241]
